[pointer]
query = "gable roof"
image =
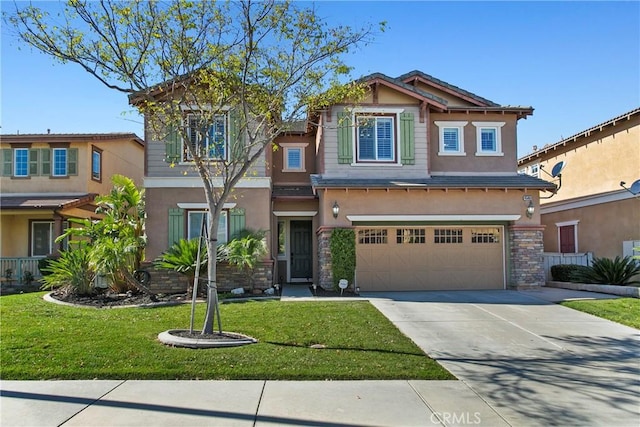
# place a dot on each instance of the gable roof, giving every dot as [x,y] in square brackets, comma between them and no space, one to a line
[403,87]
[417,75]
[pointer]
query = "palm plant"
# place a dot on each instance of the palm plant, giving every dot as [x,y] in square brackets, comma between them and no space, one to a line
[619,271]
[117,240]
[245,252]
[71,271]
[182,257]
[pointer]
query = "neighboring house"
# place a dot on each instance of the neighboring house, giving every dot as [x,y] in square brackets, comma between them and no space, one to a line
[49,178]
[425,172]
[592,212]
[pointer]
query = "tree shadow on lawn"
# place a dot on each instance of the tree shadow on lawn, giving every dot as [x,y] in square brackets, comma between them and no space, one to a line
[591,381]
[323,347]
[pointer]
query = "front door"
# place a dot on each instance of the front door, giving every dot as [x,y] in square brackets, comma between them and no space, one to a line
[301,253]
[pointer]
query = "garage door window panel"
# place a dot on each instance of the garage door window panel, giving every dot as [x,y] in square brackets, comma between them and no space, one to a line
[410,235]
[372,236]
[485,235]
[447,235]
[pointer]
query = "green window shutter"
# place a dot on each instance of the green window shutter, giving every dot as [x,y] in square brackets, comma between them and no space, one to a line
[7,162]
[407,139]
[236,222]
[172,146]
[45,161]
[236,136]
[176,225]
[33,162]
[345,139]
[72,161]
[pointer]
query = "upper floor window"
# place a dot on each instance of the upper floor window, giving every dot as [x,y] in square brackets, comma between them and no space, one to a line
[59,162]
[96,164]
[207,136]
[488,138]
[294,157]
[375,138]
[21,162]
[451,138]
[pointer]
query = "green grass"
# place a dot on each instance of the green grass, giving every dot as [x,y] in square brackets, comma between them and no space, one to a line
[42,340]
[621,310]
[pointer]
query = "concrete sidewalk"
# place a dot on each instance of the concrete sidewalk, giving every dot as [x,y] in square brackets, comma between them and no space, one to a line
[243,403]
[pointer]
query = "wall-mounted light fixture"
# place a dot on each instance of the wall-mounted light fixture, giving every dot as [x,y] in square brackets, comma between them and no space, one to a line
[530,208]
[335,209]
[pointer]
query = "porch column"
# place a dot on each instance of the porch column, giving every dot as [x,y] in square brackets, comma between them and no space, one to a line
[325,276]
[526,247]
[57,231]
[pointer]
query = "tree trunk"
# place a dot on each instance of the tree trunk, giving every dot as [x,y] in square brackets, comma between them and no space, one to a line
[213,309]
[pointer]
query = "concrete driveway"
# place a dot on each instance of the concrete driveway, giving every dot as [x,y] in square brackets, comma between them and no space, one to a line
[534,362]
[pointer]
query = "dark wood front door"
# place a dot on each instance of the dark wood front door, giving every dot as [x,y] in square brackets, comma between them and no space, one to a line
[301,253]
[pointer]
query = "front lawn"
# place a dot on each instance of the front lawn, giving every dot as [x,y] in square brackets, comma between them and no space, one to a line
[621,310]
[42,340]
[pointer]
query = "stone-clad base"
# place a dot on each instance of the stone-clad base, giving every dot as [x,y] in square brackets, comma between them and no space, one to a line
[526,266]
[228,276]
[325,275]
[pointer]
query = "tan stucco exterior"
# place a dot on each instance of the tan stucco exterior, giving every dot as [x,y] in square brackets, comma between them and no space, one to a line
[596,161]
[120,154]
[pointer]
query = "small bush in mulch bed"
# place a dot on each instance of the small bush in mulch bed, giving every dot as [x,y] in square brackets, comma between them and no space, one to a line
[319,292]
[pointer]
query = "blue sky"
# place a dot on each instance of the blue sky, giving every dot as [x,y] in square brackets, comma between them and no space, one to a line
[576,63]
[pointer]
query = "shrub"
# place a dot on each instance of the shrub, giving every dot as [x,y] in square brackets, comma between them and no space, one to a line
[563,272]
[245,252]
[606,271]
[43,264]
[343,255]
[71,272]
[182,257]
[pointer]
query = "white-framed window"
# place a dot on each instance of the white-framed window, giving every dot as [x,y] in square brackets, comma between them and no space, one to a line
[293,160]
[451,138]
[96,164]
[376,138]
[59,162]
[21,162]
[534,170]
[489,138]
[207,135]
[194,225]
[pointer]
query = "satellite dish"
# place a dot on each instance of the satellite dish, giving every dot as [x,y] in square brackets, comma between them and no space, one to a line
[557,169]
[635,187]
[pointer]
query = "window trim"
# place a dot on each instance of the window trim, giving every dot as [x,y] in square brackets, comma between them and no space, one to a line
[459,125]
[573,223]
[32,236]
[54,162]
[15,162]
[285,156]
[394,142]
[184,159]
[224,214]
[95,150]
[497,128]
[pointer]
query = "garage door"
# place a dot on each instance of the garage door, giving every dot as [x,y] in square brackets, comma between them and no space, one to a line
[430,258]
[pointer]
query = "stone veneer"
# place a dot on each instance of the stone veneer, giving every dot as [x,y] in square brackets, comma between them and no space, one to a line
[526,247]
[325,276]
[167,281]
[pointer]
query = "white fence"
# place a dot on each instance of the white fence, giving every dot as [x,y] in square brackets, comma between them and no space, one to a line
[555,258]
[18,267]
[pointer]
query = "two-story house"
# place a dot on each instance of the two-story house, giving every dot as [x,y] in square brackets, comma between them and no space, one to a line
[49,178]
[592,212]
[425,172]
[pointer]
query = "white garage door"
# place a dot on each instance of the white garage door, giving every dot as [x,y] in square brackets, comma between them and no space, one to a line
[430,258]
